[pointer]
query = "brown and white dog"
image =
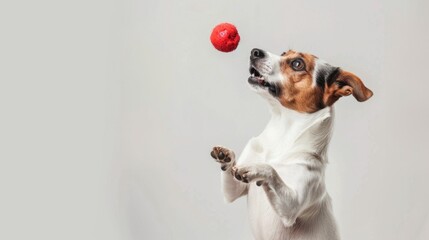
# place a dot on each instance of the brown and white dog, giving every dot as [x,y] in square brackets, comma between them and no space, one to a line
[288,159]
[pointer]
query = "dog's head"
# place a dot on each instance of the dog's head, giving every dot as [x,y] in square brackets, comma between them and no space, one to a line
[301,81]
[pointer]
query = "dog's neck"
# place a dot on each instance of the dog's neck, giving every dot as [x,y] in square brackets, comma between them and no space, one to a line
[290,132]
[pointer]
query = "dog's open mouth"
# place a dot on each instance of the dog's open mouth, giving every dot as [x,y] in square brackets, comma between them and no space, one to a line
[256,79]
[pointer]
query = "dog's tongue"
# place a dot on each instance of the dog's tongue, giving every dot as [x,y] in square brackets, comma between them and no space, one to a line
[260,81]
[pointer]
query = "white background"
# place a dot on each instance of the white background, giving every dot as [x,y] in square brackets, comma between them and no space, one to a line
[109,109]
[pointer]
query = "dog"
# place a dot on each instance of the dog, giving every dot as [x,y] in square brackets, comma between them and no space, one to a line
[282,170]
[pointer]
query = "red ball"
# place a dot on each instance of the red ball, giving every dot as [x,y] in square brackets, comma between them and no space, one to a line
[225,37]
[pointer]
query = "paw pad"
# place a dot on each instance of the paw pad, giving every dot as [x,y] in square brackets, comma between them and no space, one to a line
[222,155]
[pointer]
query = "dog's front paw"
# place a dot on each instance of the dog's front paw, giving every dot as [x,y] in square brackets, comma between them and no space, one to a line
[224,156]
[253,172]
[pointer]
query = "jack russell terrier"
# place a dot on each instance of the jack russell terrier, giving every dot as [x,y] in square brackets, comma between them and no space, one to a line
[287,160]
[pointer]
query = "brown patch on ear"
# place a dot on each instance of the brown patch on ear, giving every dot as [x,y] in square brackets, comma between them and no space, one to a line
[345,84]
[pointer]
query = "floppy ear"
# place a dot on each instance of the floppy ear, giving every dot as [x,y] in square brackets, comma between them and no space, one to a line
[347,83]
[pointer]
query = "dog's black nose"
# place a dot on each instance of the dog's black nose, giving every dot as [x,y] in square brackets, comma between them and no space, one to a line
[257,53]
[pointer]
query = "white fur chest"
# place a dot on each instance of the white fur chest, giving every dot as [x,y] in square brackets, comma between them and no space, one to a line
[289,133]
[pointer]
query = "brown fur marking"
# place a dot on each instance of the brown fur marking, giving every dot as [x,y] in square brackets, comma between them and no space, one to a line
[298,91]
[301,94]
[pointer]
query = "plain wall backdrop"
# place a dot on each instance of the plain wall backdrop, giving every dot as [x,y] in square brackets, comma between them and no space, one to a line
[109,109]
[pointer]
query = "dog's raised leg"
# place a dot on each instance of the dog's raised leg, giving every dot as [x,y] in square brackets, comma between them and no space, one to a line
[232,189]
[286,202]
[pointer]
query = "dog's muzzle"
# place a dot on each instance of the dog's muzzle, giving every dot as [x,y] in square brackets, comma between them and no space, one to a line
[256,78]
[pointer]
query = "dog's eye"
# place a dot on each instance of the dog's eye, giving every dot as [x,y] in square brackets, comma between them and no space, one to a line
[298,64]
